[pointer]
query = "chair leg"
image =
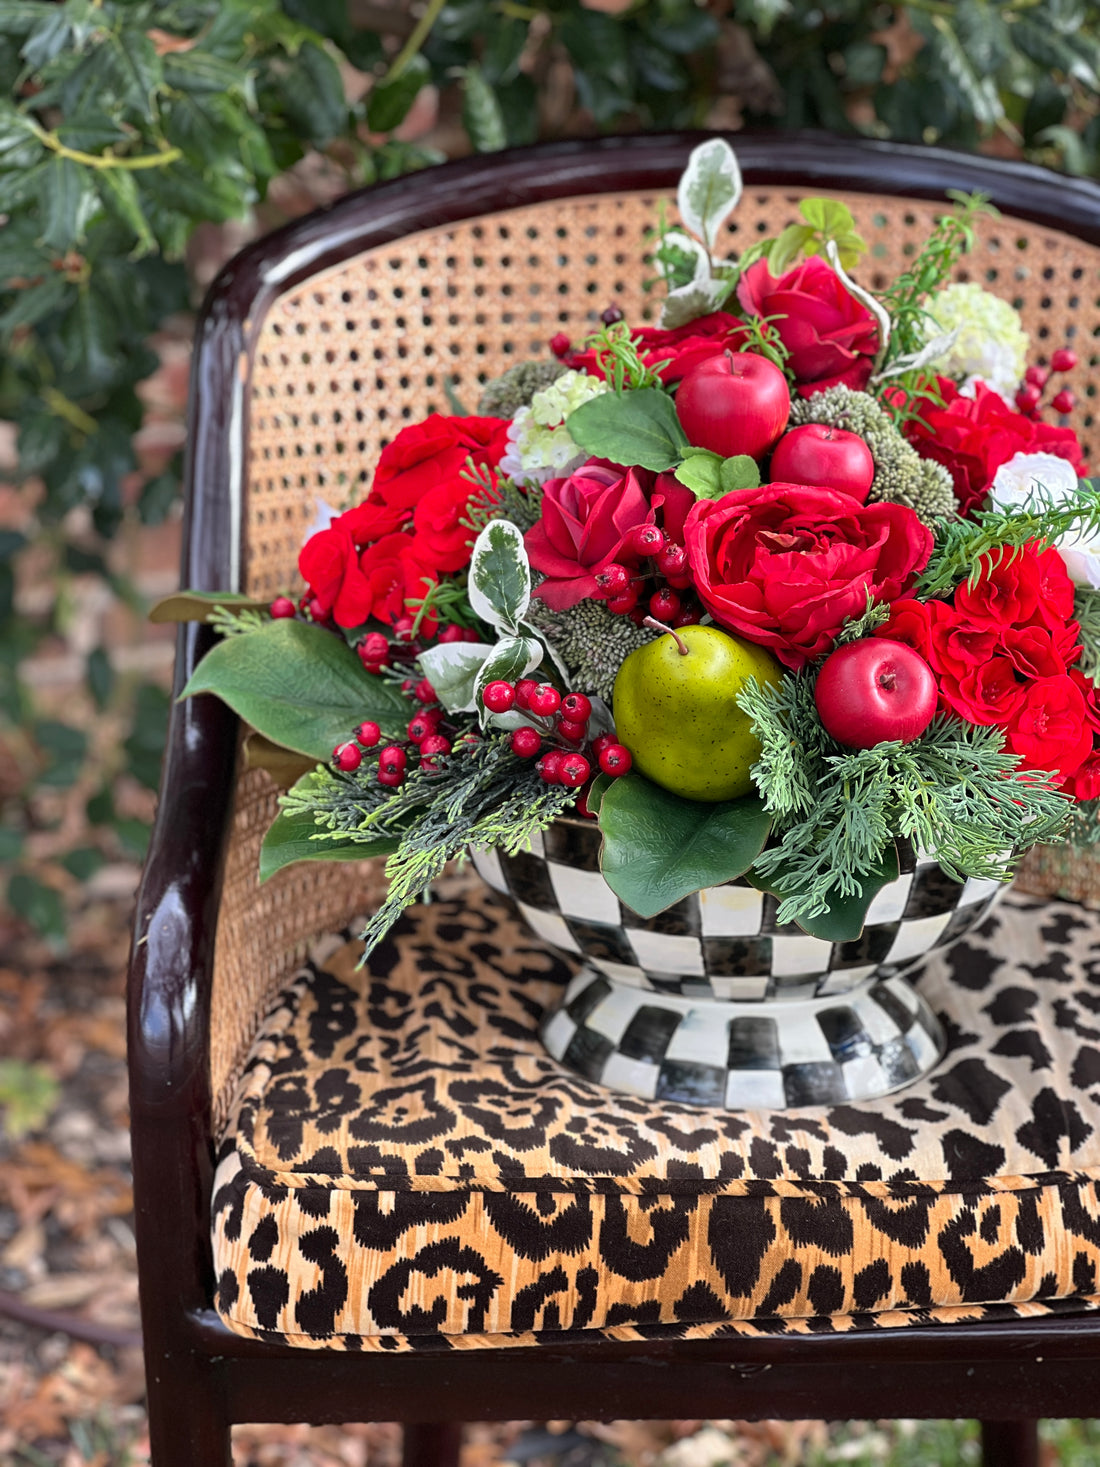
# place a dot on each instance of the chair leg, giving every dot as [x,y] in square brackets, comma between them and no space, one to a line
[432,1444]
[1010,1444]
[186,1423]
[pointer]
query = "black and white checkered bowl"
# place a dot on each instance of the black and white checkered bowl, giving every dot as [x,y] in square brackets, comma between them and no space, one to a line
[715,1002]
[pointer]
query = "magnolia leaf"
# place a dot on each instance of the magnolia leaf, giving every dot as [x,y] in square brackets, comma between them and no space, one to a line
[499,585]
[739,472]
[299,686]
[600,720]
[844,920]
[511,659]
[452,669]
[659,848]
[709,189]
[284,765]
[636,429]
[197,605]
[596,791]
[857,292]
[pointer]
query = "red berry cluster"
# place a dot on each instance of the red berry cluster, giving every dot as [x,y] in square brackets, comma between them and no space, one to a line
[1030,396]
[657,569]
[377,651]
[427,739]
[564,728]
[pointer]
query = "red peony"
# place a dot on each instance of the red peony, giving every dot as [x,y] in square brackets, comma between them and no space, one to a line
[673,353]
[584,520]
[786,565]
[425,455]
[830,336]
[973,436]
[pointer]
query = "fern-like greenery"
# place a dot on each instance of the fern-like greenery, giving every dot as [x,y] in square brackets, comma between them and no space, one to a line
[481,795]
[229,623]
[954,792]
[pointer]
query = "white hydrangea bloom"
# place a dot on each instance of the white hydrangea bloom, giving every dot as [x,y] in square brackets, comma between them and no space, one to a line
[1018,482]
[992,344]
[539,445]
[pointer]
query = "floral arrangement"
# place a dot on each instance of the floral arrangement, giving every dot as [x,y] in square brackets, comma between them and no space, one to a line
[798,574]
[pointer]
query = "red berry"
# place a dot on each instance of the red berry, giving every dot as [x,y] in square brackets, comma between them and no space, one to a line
[347,757]
[391,764]
[282,607]
[1037,376]
[471,635]
[368,734]
[625,603]
[602,742]
[526,742]
[375,647]
[420,727]
[549,766]
[673,560]
[645,540]
[1063,360]
[408,685]
[616,760]
[663,604]
[611,315]
[374,668]
[524,688]
[499,697]
[424,692]
[434,744]
[1028,398]
[577,707]
[1064,401]
[452,634]
[612,580]
[403,628]
[572,731]
[316,610]
[573,770]
[544,701]
[690,616]
[560,344]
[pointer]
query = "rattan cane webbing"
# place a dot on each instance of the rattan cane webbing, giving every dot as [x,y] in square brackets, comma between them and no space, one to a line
[340,363]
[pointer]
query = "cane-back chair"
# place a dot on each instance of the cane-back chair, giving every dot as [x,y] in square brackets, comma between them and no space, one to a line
[315,346]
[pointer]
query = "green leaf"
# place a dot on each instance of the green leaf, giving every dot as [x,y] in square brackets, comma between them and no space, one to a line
[701,473]
[504,45]
[138,68]
[66,194]
[596,791]
[101,677]
[288,839]
[83,862]
[511,659]
[199,71]
[390,101]
[709,189]
[452,669]
[197,605]
[659,848]
[844,920]
[788,246]
[18,16]
[481,114]
[37,302]
[65,746]
[38,904]
[28,1095]
[299,686]
[313,95]
[499,583]
[119,191]
[637,429]
[739,472]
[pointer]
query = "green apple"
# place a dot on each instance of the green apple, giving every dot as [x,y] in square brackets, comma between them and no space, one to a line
[677,711]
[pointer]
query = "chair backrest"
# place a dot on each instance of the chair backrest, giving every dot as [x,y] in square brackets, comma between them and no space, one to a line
[323,341]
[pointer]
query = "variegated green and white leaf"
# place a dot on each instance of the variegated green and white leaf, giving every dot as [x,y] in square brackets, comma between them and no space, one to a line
[865,298]
[689,302]
[452,669]
[511,659]
[499,585]
[930,352]
[709,189]
[690,253]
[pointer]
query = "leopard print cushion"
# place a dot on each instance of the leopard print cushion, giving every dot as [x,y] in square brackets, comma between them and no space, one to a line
[406,1168]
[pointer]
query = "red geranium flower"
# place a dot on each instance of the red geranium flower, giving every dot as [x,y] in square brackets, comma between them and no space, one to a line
[1051,730]
[425,455]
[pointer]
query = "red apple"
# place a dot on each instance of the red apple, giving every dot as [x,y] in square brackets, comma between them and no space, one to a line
[875,690]
[734,403]
[828,457]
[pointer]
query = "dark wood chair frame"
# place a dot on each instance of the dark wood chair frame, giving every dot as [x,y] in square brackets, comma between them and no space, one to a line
[201,1377]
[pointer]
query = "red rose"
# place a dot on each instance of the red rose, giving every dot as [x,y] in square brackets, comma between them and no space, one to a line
[394,575]
[973,436]
[673,353]
[584,520]
[425,455]
[786,565]
[830,336]
[1052,730]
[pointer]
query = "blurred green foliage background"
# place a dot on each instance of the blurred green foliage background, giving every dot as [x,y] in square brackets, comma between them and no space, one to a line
[134,125]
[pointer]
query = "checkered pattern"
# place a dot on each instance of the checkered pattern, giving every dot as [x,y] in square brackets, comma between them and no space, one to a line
[724,943]
[818,1052]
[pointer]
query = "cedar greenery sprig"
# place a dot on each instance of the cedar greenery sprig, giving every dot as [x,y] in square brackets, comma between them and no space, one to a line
[965,549]
[954,792]
[229,623]
[1086,611]
[481,795]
